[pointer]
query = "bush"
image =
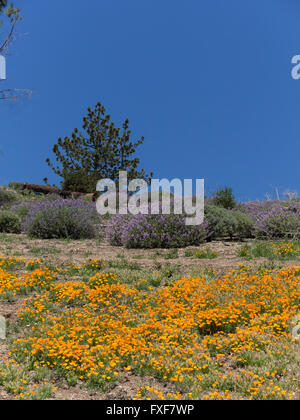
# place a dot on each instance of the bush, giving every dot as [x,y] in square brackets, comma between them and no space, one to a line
[278,225]
[8,197]
[116,229]
[154,231]
[73,219]
[274,219]
[222,223]
[224,198]
[9,222]
[22,210]
[244,226]
[170,231]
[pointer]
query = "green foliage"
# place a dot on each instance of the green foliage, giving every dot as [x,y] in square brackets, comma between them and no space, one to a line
[79,180]
[172,254]
[154,231]
[100,153]
[262,250]
[206,254]
[61,219]
[222,223]
[3,4]
[8,197]
[224,198]
[13,16]
[9,222]
[244,251]
[201,253]
[244,226]
[279,226]
[272,250]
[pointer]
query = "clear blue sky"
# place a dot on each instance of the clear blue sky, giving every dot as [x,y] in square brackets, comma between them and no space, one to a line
[207,82]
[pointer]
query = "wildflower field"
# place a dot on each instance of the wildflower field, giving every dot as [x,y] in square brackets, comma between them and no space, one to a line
[95,325]
[125,276]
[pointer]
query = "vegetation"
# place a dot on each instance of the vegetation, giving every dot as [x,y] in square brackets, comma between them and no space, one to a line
[154,231]
[224,198]
[259,220]
[185,324]
[207,253]
[100,153]
[203,337]
[9,222]
[226,223]
[71,219]
[196,334]
[273,251]
[274,219]
[8,198]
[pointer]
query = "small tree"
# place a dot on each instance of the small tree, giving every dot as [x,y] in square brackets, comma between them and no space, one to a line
[100,153]
[224,198]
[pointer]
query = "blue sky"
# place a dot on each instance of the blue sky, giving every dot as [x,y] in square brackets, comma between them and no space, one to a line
[207,82]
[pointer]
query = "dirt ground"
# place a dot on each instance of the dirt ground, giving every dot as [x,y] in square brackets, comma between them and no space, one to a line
[60,252]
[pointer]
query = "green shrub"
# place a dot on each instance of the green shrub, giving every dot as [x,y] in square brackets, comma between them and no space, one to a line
[278,225]
[205,254]
[244,226]
[8,197]
[263,250]
[222,223]
[244,252]
[224,198]
[72,219]
[9,222]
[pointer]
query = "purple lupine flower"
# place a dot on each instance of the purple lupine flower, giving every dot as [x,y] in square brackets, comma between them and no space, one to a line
[73,219]
[154,231]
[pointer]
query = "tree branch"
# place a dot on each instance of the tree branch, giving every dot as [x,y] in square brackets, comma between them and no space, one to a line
[8,39]
[13,15]
[14,93]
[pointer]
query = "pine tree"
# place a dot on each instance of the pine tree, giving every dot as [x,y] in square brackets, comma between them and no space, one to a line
[3,4]
[104,150]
